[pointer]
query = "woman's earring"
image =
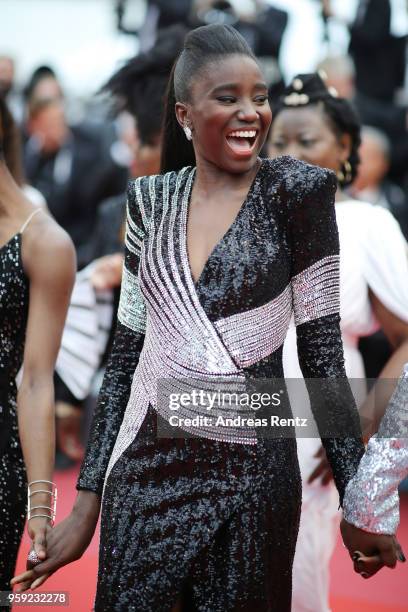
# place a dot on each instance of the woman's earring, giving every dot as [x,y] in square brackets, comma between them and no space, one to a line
[340,176]
[345,175]
[349,171]
[188,132]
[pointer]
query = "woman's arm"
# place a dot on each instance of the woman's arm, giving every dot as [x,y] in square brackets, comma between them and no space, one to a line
[68,540]
[385,268]
[316,302]
[396,331]
[315,283]
[371,501]
[49,262]
[126,349]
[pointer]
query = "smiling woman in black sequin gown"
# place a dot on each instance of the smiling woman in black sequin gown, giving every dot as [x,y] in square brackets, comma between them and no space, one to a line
[220,249]
[37,269]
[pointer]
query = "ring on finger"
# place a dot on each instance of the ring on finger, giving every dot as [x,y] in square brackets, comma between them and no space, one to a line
[33,558]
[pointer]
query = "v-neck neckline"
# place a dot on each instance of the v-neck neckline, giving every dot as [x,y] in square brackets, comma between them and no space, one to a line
[186,209]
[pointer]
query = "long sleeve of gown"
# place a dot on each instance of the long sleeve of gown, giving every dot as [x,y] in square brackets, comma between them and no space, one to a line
[126,349]
[371,501]
[316,305]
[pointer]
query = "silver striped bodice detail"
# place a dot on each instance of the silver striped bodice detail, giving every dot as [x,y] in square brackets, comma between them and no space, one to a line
[181,343]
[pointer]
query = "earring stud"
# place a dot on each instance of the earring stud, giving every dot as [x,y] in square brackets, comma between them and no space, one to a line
[188,132]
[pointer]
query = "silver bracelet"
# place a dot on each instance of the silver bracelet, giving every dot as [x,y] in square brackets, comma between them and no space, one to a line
[37,481]
[53,501]
[44,515]
[44,507]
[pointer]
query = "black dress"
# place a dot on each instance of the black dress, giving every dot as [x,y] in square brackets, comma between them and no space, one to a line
[14,297]
[215,516]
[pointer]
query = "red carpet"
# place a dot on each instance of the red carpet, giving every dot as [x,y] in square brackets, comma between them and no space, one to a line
[386,592]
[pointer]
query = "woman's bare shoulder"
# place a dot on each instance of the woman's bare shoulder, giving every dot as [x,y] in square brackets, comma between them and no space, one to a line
[46,245]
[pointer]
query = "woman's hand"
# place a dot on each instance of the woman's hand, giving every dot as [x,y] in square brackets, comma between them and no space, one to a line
[370,551]
[39,529]
[64,543]
[322,470]
[107,272]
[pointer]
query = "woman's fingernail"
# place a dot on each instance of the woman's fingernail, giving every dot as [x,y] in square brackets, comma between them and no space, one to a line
[364,575]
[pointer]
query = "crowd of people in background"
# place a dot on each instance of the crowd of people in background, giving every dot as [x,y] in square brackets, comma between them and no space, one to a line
[59,152]
[78,171]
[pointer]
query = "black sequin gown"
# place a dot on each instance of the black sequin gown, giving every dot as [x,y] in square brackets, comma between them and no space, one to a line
[14,297]
[215,519]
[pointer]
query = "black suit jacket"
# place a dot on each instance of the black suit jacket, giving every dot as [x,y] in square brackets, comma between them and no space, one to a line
[379,57]
[75,180]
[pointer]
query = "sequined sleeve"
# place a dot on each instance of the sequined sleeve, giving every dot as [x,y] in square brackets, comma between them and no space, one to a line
[316,304]
[371,501]
[126,348]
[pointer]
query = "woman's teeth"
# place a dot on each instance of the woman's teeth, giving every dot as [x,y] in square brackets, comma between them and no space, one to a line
[243,134]
[242,141]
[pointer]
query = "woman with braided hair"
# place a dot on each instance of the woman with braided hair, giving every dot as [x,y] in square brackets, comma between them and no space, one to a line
[313,124]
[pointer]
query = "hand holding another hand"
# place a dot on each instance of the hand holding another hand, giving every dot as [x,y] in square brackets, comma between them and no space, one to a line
[370,551]
[64,543]
[39,529]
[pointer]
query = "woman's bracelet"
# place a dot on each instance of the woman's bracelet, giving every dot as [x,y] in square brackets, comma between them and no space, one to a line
[52,508]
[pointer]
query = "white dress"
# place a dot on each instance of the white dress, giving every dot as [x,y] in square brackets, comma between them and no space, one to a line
[85,335]
[373,254]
